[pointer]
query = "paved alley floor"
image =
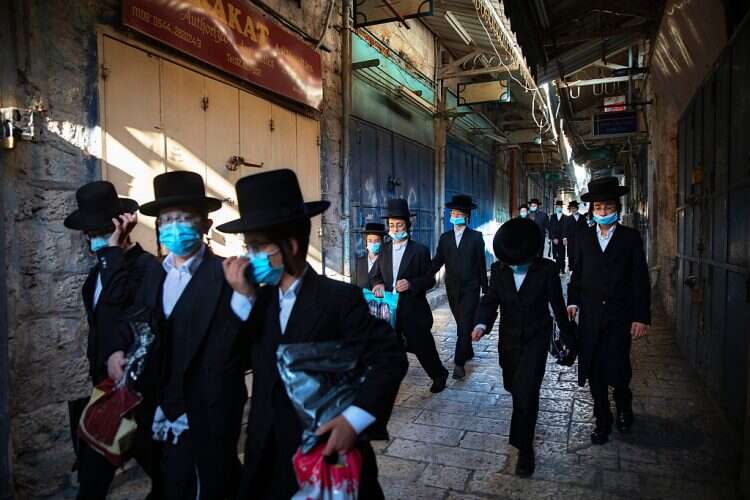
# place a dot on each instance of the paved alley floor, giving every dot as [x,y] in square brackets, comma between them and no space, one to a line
[454,445]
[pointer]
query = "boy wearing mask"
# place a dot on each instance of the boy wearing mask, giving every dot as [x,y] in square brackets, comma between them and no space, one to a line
[374,233]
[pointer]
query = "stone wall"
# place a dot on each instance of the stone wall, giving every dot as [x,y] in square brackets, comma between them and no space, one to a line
[52,47]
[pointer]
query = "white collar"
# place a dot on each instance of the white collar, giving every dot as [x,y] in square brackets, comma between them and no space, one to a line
[400,245]
[609,233]
[459,231]
[190,266]
[291,292]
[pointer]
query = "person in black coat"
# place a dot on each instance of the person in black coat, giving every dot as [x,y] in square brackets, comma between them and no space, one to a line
[200,360]
[574,223]
[557,224]
[523,211]
[462,252]
[107,221]
[282,300]
[610,291]
[374,233]
[404,266]
[523,286]
[540,217]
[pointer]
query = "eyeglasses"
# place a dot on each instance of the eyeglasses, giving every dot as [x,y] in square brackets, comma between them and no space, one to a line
[178,217]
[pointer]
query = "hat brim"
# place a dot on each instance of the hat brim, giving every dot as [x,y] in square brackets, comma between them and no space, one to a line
[519,233]
[399,216]
[83,221]
[453,206]
[245,225]
[379,233]
[153,208]
[605,196]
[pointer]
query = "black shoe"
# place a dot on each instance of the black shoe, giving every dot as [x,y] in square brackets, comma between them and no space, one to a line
[438,384]
[599,437]
[526,463]
[624,420]
[471,356]
[459,372]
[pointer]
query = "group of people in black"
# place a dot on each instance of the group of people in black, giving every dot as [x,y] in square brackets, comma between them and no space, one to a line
[215,319]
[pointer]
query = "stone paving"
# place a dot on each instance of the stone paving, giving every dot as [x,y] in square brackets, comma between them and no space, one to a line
[453,445]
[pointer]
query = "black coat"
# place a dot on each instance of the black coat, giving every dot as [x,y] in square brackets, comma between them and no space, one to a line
[213,367]
[413,310]
[121,275]
[611,290]
[557,227]
[541,219]
[465,265]
[325,310]
[524,314]
[362,279]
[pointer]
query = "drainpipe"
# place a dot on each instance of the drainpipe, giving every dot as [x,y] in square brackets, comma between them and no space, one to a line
[346,83]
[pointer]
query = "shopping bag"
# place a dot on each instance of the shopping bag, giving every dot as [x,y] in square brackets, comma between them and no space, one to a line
[320,480]
[563,344]
[382,307]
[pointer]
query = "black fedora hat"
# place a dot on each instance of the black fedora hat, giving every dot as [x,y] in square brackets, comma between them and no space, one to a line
[523,205]
[604,189]
[398,208]
[271,199]
[461,202]
[374,228]
[572,204]
[517,241]
[98,204]
[559,203]
[179,188]
[535,200]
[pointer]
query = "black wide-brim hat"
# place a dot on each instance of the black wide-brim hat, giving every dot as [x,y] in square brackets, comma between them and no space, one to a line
[573,204]
[461,202]
[398,208]
[271,199]
[180,188]
[374,228]
[523,205]
[559,203]
[535,200]
[604,189]
[98,204]
[517,241]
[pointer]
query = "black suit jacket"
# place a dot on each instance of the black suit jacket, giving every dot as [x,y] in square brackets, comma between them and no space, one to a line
[612,290]
[121,275]
[541,219]
[413,309]
[325,310]
[572,228]
[465,264]
[216,356]
[557,227]
[362,278]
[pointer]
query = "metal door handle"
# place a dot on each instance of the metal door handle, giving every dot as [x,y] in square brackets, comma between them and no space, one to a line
[235,162]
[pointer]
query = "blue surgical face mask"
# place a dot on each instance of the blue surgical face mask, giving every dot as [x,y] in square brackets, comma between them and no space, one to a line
[180,238]
[399,236]
[520,268]
[263,272]
[99,242]
[532,208]
[606,219]
[558,210]
[374,248]
[458,221]
[524,213]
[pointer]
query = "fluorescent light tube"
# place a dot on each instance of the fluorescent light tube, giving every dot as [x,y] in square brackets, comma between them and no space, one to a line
[458,28]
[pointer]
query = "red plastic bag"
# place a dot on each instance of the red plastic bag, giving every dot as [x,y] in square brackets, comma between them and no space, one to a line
[319,480]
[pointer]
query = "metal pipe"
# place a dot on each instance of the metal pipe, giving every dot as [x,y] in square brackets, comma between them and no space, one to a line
[630,76]
[346,94]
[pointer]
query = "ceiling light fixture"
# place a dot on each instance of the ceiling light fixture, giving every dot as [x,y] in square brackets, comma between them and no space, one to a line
[458,28]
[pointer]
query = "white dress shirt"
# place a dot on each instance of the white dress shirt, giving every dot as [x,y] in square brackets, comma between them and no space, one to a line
[559,216]
[178,278]
[576,215]
[604,240]
[458,232]
[398,254]
[98,290]
[242,306]
[371,262]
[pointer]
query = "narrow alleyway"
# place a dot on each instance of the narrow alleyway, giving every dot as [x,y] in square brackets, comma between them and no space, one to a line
[454,445]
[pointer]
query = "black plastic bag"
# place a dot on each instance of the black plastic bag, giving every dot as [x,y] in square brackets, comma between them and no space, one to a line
[321,380]
[563,346]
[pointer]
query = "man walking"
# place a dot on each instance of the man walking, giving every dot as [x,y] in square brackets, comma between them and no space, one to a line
[575,223]
[557,223]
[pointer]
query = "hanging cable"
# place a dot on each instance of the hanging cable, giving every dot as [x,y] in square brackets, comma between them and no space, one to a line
[331,4]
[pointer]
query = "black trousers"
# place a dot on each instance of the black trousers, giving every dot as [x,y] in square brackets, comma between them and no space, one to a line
[599,387]
[179,473]
[558,253]
[524,361]
[464,308]
[422,344]
[571,253]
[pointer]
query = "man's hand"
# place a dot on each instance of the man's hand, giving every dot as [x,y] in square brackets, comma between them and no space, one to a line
[402,286]
[342,438]
[572,312]
[477,334]
[115,365]
[234,272]
[124,225]
[378,290]
[638,330]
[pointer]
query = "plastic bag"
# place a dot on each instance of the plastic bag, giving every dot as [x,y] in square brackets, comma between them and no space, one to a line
[383,308]
[321,380]
[563,344]
[138,354]
[321,480]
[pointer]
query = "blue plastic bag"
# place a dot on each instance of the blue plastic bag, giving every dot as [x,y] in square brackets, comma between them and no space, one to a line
[382,308]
